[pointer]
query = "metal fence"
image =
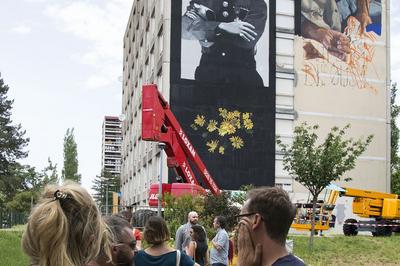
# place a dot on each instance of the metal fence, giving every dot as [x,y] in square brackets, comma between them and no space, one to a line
[140,214]
[9,219]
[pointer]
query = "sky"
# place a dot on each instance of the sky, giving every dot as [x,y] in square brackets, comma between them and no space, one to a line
[62,60]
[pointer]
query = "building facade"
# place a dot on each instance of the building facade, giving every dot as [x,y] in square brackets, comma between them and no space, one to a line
[111,146]
[319,88]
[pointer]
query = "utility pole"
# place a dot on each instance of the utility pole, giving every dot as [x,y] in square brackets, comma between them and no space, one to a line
[161,146]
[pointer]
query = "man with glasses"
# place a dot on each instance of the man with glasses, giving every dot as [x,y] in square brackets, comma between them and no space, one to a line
[264,223]
[123,247]
[220,243]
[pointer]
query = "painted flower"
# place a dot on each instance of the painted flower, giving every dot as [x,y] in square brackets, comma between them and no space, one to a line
[226,128]
[237,142]
[212,125]
[248,124]
[223,112]
[212,145]
[221,150]
[200,120]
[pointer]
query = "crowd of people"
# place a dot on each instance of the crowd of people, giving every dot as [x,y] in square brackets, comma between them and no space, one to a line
[66,228]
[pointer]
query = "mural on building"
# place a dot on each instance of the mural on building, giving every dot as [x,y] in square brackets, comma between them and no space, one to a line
[222,41]
[340,39]
[221,90]
[224,133]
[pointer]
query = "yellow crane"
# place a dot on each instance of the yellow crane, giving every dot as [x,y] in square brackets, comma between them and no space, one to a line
[383,209]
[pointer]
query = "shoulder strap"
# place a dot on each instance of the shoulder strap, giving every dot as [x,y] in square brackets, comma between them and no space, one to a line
[195,248]
[178,257]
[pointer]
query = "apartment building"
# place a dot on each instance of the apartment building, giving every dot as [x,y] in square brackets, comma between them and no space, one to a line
[111,145]
[327,90]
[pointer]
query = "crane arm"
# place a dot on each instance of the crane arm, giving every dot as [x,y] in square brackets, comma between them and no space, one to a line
[160,124]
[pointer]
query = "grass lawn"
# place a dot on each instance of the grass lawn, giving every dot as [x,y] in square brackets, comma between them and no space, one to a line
[341,250]
[10,248]
[329,250]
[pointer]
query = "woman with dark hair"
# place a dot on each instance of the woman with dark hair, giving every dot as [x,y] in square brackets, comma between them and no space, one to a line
[197,248]
[156,234]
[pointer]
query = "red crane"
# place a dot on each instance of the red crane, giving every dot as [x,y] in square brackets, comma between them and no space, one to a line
[160,124]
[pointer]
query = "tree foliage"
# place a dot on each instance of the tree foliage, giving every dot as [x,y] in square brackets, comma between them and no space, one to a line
[394,140]
[70,170]
[25,185]
[176,210]
[100,184]
[12,143]
[315,165]
[208,207]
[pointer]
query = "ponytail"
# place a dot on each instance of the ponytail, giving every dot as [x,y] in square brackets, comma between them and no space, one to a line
[65,230]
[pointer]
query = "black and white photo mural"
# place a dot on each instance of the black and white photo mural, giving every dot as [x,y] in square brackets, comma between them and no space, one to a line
[222,91]
[222,41]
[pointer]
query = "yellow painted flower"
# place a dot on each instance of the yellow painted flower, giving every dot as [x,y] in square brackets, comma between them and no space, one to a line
[200,120]
[221,150]
[212,125]
[233,115]
[226,128]
[237,123]
[248,124]
[212,145]
[223,112]
[237,142]
[246,116]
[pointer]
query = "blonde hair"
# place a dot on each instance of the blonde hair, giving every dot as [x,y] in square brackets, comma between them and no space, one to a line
[65,230]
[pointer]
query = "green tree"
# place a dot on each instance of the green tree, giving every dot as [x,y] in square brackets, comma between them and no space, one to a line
[223,204]
[100,184]
[28,184]
[394,140]
[50,174]
[176,210]
[316,165]
[70,170]
[12,143]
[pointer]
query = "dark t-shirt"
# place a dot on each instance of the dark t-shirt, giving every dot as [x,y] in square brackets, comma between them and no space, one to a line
[167,259]
[288,260]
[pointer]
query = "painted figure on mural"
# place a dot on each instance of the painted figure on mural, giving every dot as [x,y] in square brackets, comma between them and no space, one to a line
[228,31]
[325,21]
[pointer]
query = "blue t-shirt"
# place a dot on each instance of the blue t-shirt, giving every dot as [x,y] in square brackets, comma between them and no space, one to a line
[167,259]
[289,260]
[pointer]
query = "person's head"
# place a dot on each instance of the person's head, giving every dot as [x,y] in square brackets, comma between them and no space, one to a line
[193,217]
[123,242]
[219,222]
[270,206]
[65,228]
[156,231]
[126,215]
[197,233]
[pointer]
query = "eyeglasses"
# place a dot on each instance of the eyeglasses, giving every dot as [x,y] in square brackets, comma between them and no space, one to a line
[240,216]
[131,244]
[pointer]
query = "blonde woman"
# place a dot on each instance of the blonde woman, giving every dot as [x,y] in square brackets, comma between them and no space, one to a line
[65,228]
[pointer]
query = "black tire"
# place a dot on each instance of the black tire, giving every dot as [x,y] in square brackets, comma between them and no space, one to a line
[382,230]
[350,227]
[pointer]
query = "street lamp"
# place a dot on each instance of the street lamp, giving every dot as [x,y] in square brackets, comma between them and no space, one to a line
[161,146]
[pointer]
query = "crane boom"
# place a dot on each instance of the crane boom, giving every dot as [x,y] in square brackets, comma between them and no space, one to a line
[160,124]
